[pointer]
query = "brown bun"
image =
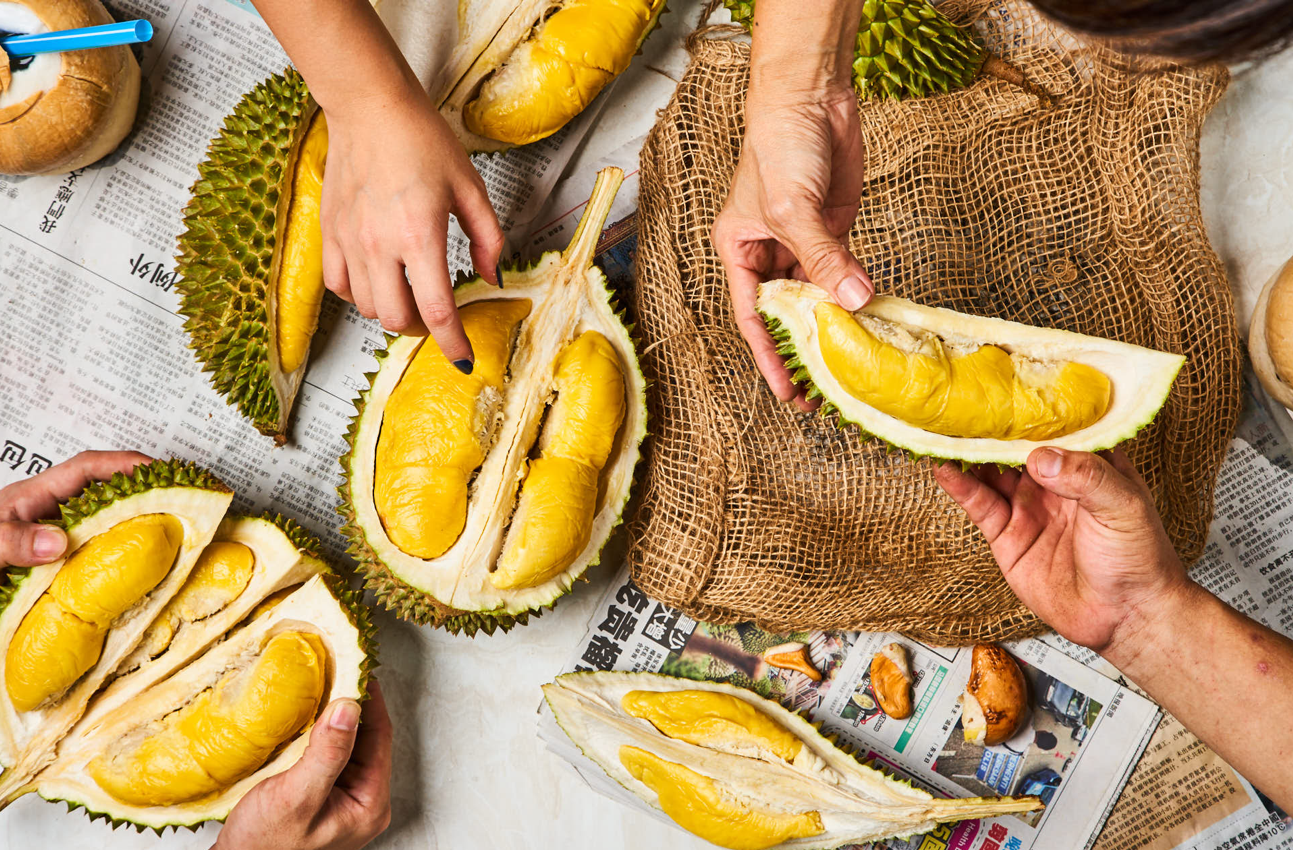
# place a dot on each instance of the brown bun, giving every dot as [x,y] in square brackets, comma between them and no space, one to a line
[88,111]
[1270,336]
[995,701]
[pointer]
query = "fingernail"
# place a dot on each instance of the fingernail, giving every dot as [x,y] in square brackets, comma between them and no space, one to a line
[464,366]
[345,716]
[852,294]
[49,543]
[1048,463]
[498,276]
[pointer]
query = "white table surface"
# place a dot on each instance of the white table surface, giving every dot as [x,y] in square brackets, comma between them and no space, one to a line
[470,771]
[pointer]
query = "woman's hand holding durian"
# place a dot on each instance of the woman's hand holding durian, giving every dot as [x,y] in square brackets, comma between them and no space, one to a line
[795,192]
[395,172]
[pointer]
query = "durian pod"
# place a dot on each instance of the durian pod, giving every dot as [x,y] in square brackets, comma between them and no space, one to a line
[454,454]
[741,771]
[938,383]
[315,610]
[171,489]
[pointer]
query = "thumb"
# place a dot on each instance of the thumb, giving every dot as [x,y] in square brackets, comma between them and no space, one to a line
[331,740]
[826,261]
[26,544]
[1088,479]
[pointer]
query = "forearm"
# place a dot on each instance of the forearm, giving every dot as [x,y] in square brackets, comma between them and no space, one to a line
[797,50]
[1229,679]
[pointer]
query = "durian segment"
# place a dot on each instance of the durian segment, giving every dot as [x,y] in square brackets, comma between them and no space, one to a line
[699,805]
[855,803]
[438,425]
[225,733]
[979,391]
[336,632]
[555,73]
[220,575]
[178,491]
[300,273]
[1139,379]
[715,720]
[558,502]
[62,636]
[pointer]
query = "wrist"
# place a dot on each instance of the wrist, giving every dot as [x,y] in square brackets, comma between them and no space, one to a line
[1148,631]
[794,54]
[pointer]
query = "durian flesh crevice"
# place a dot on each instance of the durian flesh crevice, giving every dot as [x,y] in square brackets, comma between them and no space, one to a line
[979,390]
[473,499]
[741,771]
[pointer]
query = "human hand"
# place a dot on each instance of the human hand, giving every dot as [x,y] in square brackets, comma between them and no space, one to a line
[793,199]
[395,171]
[1077,539]
[24,542]
[337,797]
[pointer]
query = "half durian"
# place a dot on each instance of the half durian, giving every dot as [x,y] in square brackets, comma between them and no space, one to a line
[740,771]
[211,646]
[471,500]
[959,387]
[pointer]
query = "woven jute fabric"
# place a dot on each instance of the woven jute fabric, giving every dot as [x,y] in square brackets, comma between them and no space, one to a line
[1082,215]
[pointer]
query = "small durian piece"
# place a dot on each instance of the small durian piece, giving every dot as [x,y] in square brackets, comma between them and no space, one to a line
[299,288]
[715,720]
[995,702]
[554,515]
[218,578]
[891,680]
[1270,336]
[793,656]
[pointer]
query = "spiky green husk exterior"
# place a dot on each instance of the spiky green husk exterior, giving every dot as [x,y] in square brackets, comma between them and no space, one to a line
[227,249]
[905,48]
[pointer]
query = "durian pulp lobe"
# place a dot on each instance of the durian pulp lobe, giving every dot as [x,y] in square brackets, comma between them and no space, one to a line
[226,733]
[698,805]
[220,575]
[436,428]
[300,276]
[981,394]
[558,502]
[61,637]
[552,76]
[715,720]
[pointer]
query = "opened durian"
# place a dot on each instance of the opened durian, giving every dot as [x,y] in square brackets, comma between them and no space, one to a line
[470,500]
[145,676]
[740,771]
[979,390]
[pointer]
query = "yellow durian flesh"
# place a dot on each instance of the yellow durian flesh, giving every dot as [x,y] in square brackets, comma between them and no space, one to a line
[716,720]
[61,637]
[220,575]
[436,428]
[984,392]
[554,515]
[299,290]
[556,73]
[225,733]
[700,806]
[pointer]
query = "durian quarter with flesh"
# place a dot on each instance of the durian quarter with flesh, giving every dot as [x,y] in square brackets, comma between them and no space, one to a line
[250,264]
[949,385]
[740,771]
[471,500]
[66,626]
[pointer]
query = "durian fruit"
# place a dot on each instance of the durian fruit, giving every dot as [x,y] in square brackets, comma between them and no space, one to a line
[740,771]
[949,385]
[206,684]
[471,500]
[250,264]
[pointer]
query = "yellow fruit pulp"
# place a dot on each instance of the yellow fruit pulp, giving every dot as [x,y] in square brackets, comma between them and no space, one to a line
[554,515]
[300,276]
[220,575]
[436,428]
[61,637]
[715,720]
[698,805]
[226,733]
[983,393]
[552,76]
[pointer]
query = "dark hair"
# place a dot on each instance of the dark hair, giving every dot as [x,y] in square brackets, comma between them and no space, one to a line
[1193,30]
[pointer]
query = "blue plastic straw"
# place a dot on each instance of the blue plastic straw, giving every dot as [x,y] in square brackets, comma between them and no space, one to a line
[107,35]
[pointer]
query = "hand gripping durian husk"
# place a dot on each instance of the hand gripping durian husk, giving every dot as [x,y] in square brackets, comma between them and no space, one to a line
[741,771]
[175,658]
[1044,273]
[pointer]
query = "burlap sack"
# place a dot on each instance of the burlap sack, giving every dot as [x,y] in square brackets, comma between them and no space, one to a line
[1084,216]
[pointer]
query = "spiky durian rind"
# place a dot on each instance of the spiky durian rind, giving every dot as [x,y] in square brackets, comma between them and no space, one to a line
[146,476]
